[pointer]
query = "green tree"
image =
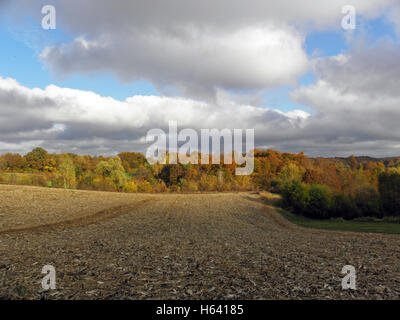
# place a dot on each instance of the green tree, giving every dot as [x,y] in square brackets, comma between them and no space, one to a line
[389,189]
[343,206]
[295,195]
[367,202]
[319,202]
[113,171]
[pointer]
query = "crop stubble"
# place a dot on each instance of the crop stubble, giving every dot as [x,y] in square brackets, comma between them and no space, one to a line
[180,246]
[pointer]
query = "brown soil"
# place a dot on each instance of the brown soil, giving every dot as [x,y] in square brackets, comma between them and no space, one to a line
[169,246]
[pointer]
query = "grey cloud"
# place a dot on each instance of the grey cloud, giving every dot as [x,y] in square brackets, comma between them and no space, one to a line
[94,17]
[356,101]
[73,120]
[202,49]
[194,46]
[66,120]
[369,69]
[249,58]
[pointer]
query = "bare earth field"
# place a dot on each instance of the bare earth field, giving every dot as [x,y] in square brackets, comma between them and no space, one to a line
[169,246]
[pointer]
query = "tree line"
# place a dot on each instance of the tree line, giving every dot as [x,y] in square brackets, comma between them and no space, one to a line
[314,187]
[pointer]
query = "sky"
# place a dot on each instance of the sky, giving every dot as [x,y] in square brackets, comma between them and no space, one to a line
[113,70]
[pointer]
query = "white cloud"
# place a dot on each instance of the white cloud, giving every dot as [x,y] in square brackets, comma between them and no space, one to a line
[356,100]
[194,46]
[197,62]
[208,48]
[65,119]
[355,104]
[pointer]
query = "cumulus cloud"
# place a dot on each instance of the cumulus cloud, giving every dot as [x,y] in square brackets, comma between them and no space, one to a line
[356,101]
[94,17]
[206,49]
[63,119]
[355,109]
[249,58]
[194,46]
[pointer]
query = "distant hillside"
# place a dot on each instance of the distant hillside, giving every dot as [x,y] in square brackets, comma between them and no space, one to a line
[387,161]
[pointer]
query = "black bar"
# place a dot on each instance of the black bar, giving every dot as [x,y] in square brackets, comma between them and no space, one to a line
[208,309]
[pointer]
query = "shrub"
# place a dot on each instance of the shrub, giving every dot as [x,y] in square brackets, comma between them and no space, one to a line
[104,185]
[39,180]
[144,186]
[343,206]
[367,202]
[208,183]
[276,185]
[389,189]
[130,186]
[319,202]
[295,196]
[88,181]
[243,183]
[175,188]
[160,187]
[189,186]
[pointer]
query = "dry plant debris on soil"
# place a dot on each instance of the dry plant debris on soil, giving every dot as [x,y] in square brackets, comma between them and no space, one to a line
[179,246]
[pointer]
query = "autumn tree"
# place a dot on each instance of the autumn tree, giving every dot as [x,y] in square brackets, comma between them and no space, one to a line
[39,159]
[172,174]
[67,170]
[112,170]
[12,161]
[290,172]
[353,162]
[132,160]
[311,176]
